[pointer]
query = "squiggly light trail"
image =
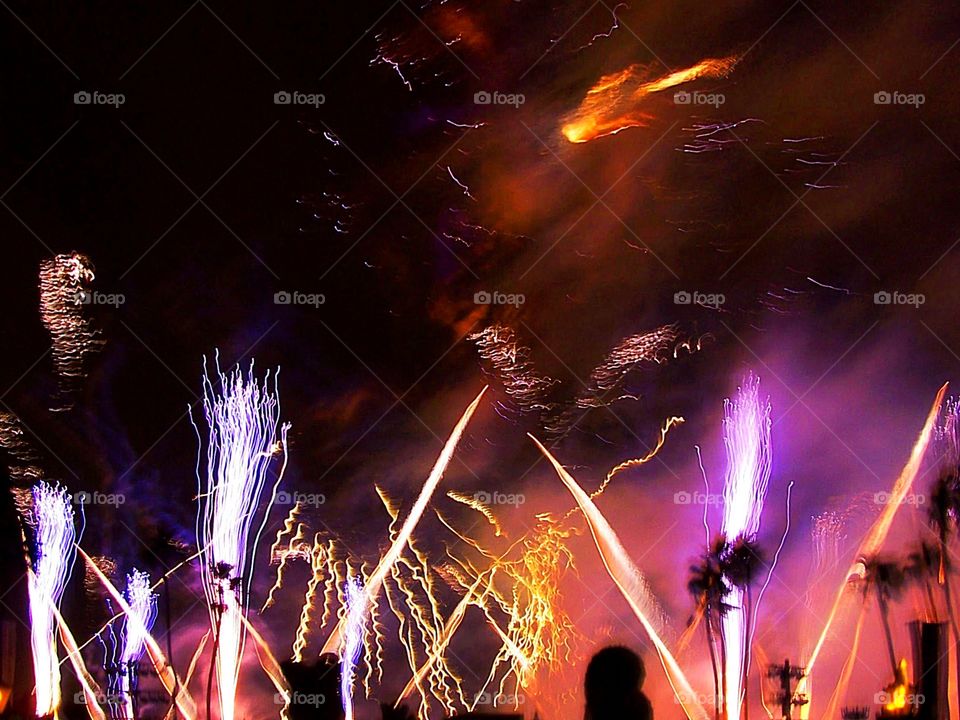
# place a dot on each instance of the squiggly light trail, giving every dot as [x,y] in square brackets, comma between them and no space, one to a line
[633,587]
[746,436]
[64,288]
[50,520]
[242,440]
[878,532]
[385,566]
[614,102]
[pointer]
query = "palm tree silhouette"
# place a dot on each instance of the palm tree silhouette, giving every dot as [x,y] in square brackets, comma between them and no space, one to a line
[943,515]
[740,563]
[886,578]
[709,588]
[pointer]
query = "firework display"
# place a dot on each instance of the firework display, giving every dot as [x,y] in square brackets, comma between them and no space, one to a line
[618,343]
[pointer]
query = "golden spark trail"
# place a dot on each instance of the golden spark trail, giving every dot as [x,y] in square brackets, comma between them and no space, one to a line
[613,103]
[631,584]
[267,660]
[286,529]
[384,567]
[196,656]
[840,691]
[637,462]
[165,672]
[878,533]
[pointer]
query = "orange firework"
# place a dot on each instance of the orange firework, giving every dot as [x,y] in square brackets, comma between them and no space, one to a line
[615,102]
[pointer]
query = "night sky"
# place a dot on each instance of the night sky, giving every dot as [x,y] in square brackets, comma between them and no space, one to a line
[398,198]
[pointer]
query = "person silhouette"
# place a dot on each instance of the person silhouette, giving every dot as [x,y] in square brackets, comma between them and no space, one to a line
[612,686]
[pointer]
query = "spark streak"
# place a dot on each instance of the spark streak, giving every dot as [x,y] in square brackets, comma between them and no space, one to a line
[614,103]
[242,441]
[746,436]
[49,533]
[632,585]
[352,643]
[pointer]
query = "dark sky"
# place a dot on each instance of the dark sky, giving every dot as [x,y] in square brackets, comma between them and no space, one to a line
[399,198]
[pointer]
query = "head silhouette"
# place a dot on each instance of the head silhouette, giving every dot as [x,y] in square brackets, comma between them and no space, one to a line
[612,686]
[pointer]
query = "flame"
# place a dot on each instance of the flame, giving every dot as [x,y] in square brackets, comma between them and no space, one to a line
[898,691]
[613,103]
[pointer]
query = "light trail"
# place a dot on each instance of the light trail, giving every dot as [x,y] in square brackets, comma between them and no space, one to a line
[352,642]
[746,437]
[49,535]
[615,102]
[168,677]
[384,567]
[874,539]
[633,587]
[243,438]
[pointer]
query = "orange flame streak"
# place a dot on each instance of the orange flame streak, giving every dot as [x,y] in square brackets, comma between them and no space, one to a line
[878,533]
[843,682]
[168,676]
[612,104]
[631,583]
[386,563]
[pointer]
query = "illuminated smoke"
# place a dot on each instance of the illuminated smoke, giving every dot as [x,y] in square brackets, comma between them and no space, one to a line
[616,101]
[352,643]
[50,535]
[22,463]
[746,435]
[242,441]
[64,290]
[510,362]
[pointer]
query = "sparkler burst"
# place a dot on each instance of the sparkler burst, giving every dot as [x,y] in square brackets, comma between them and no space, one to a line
[352,643]
[242,414]
[64,290]
[50,535]
[746,436]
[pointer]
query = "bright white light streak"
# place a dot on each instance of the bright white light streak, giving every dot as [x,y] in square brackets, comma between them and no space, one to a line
[242,416]
[353,633]
[51,519]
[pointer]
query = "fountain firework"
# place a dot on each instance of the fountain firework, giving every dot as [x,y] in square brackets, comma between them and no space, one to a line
[746,436]
[243,439]
[49,533]
[352,642]
[132,642]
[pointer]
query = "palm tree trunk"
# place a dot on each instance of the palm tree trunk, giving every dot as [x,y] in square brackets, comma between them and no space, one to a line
[744,710]
[723,670]
[713,665]
[885,617]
